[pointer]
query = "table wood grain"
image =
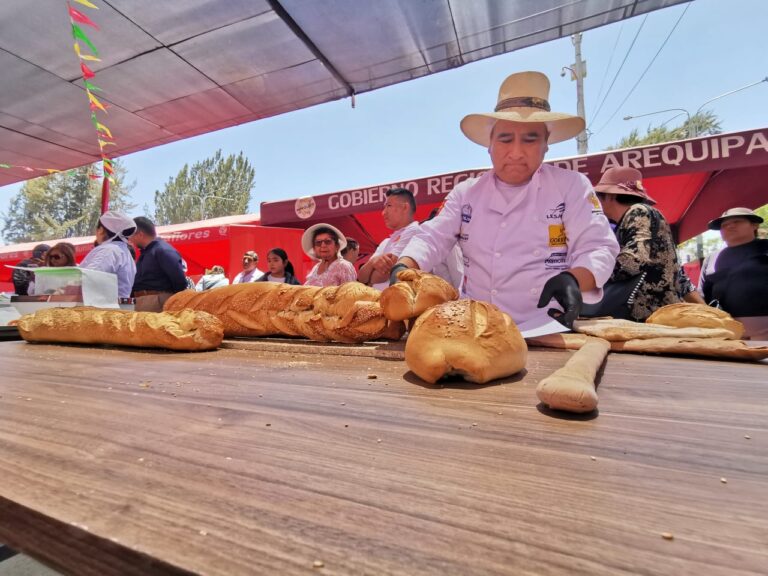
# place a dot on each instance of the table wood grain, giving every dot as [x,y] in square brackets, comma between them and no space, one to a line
[117,461]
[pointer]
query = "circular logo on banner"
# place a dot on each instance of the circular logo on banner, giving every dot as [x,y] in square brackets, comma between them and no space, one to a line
[223,230]
[305,207]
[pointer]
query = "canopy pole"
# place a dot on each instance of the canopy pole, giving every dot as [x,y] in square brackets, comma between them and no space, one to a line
[104,194]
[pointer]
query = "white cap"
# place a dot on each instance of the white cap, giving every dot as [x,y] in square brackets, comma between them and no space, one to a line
[118,223]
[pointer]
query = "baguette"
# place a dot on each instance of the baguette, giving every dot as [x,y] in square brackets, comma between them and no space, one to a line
[348,313]
[183,330]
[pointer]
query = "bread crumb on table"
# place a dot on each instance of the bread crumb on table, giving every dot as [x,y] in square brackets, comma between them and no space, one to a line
[667,536]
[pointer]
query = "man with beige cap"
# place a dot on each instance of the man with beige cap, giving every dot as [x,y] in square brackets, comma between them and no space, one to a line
[529,232]
[736,277]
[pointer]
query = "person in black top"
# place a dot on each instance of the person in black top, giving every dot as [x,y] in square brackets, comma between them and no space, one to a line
[22,278]
[159,272]
[279,268]
[736,278]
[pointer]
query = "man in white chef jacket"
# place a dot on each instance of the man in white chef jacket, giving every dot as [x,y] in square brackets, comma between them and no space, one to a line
[529,232]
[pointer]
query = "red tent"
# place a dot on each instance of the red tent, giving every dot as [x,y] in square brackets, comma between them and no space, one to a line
[692,180]
[202,244]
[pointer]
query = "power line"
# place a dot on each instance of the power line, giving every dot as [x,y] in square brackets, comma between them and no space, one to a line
[610,60]
[600,107]
[646,69]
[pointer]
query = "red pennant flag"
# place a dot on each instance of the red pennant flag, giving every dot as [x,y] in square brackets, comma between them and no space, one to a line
[87,73]
[82,18]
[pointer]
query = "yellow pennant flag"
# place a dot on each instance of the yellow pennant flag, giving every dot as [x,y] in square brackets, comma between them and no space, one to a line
[101,128]
[86,3]
[85,56]
[103,143]
[95,102]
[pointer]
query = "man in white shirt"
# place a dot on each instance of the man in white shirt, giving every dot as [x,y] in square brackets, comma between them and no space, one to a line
[398,213]
[250,272]
[529,232]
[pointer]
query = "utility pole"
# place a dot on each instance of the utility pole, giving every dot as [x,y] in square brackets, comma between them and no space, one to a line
[578,73]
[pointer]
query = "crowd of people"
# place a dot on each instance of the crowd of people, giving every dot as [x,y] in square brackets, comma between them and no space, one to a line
[520,236]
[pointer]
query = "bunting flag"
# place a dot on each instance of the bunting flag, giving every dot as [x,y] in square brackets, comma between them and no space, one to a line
[82,42]
[29,168]
[103,133]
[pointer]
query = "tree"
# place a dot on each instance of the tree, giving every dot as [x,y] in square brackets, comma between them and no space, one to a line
[63,205]
[701,124]
[216,186]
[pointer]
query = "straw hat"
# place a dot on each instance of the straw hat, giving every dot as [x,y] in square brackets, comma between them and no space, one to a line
[306,239]
[734,213]
[623,180]
[523,97]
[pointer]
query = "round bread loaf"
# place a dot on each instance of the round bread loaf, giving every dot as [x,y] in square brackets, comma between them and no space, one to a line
[685,315]
[472,339]
[415,292]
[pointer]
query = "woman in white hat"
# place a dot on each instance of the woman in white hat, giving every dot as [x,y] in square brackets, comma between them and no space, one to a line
[324,242]
[111,253]
[647,264]
[529,232]
[736,278]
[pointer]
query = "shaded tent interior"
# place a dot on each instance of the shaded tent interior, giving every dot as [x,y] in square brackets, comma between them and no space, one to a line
[693,181]
[174,69]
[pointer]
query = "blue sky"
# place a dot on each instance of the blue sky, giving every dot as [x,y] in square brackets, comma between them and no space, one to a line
[412,129]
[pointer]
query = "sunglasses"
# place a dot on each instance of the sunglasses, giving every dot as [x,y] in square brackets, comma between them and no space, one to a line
[326,242]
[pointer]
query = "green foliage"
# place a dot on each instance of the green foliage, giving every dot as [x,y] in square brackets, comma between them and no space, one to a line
[701,124]
[215,187]
[62,205]
[763,213]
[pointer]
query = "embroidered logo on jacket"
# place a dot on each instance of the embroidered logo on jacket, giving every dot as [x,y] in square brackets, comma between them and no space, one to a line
[556,213]
[597,208]
[466,213]
[557,235]
[556,261]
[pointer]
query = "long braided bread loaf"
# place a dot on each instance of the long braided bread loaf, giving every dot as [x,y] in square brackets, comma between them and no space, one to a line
[347,313]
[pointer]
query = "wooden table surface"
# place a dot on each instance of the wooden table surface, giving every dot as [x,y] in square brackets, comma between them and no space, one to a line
[114,461]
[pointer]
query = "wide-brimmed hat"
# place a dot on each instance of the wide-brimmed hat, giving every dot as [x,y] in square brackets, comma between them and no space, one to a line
[623,180]
[523,97]
[307,237]
[734,213]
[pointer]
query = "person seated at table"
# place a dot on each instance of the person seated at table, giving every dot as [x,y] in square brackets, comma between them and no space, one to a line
[62,254]
[22,278]
[736,278]
[399,216]
[352,252]
[646,246]
[111,252]
[279,268]
[215,278]
[250,272]
[324,242]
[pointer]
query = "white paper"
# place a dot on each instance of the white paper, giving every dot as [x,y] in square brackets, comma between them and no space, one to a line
[535,328]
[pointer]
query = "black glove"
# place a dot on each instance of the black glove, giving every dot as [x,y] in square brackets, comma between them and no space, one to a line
[393,273]
[565,290]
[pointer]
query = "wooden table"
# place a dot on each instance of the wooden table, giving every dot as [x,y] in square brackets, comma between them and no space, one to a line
[115,461]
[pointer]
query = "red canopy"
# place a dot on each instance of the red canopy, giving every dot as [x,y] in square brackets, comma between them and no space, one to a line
[202,244]
[693,181]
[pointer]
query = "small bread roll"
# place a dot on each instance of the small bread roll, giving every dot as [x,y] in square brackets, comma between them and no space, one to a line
[473,339]
[415,292]
[685,315]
